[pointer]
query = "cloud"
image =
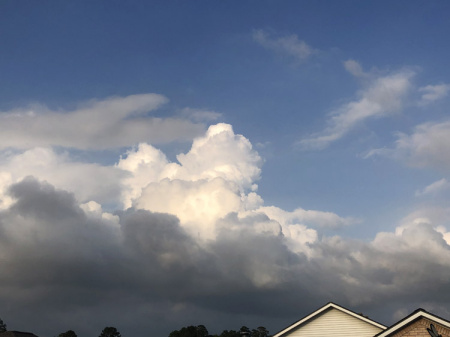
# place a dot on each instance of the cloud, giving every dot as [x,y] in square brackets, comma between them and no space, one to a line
[383,96]
[199,115]
[88,181]
[288,45]
[208,182]
[61,259]
[427,146]
[431,93]
[197,240]
[434,188]
[110,123]
[354,68]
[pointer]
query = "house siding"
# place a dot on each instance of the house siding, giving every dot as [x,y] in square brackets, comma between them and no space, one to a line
[335,323]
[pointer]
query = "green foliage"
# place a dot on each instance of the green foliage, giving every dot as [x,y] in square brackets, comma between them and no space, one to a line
[110,331]
[68,333]
[2,326]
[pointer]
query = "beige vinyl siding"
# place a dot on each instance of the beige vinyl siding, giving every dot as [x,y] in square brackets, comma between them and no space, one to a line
[334,323]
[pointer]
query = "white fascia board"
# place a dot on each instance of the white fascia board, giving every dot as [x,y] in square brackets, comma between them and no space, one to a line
[322,309]
[412,318]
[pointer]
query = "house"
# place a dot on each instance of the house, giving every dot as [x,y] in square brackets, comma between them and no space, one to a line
[332,320]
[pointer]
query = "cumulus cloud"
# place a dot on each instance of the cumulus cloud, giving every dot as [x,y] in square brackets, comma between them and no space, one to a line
[427,146]
[98,124]
[431,93]
[216,177]
[88,181]
[288,45]
[383,96]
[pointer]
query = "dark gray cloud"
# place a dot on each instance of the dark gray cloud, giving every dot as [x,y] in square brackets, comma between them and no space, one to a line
[64,269]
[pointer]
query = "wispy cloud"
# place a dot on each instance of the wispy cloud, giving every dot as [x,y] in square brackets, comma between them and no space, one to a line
[427,146]
[98,124]
[434,188]
[201,115]
[289,45]
[383,96]
[431,93]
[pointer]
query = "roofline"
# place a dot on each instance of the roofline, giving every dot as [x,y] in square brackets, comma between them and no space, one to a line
[411,318]
[322,309]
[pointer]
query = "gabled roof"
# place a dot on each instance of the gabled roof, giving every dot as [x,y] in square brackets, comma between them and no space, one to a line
[417,314]
[321,310]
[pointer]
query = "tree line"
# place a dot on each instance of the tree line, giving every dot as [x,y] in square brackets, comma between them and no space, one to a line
[201,331]
[108,331]
[188,331]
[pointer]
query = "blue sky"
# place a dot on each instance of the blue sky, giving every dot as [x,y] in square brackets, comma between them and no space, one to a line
[320,126]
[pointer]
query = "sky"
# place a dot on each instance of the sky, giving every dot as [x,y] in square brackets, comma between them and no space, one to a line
[225,163]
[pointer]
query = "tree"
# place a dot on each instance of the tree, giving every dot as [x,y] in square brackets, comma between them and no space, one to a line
[260,332]
[230,333]
[2,326]
[110,331]
[190,331]
[202,331]
[68,333]
[244,331]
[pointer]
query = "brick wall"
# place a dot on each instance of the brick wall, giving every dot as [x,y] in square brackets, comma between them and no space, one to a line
[419,329]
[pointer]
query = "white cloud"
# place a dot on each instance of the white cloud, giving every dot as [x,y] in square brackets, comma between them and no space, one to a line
[434,188]
[216,177]
[198,204]
[208,182]
[306,217]
[427,146]
[88,181]
[109,123]
[431,93]
[287,45]
[385,95]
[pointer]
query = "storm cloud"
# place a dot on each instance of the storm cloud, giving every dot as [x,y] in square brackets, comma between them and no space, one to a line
[58,258]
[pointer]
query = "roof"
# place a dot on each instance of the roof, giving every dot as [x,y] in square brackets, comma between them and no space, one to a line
[17,334]
[326,307]
[411,318]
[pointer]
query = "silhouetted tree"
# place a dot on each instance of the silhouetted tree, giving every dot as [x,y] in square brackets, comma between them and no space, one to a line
[260,332]
[202,331]
[110,331]
[69,333]
[190,331]
[230,333]
[244,331]
[2,326]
